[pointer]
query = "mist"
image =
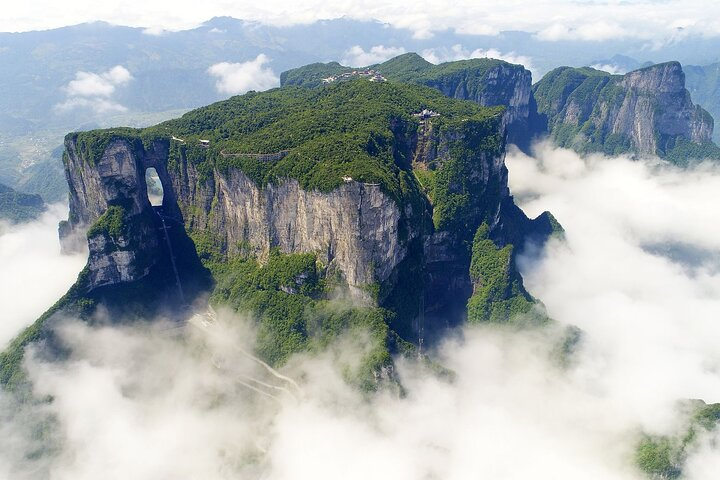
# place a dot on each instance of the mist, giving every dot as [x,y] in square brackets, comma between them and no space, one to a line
[637,271]
[34,274]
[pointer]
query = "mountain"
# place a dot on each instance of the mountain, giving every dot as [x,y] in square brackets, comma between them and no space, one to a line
[19,207]
[485,81]
[703,83]
[276,202]
[645,112]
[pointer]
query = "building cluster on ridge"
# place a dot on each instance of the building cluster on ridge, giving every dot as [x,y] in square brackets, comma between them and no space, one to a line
[425,114]
[370,74]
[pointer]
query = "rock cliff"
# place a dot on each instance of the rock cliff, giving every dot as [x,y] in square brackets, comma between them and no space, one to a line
[353,228]
[645,112]
[360,229]
[293,196]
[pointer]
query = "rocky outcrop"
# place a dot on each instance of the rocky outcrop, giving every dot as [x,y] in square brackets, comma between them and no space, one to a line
[353,229]
[116,180]
[645,112]
[491,83]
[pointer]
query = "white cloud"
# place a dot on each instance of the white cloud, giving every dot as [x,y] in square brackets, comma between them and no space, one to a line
[236,78]
[551,19]
[458,52]
[605,67]
[357,57]
[95,90]
[639,272]
[34,274]
[592,31]
[87,84]
[97,105]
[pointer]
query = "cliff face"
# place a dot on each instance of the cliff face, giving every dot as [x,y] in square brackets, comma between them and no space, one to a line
[117,179]
[703,82]
[356,229]
[353,229]
[362,194]
[646,112]
[489,83]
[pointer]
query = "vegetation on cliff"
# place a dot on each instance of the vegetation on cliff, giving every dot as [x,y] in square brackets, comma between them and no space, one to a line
[19,207]
[319,136]
[663,457]
[287,299]
[111,223]
[499,295]
[487,81]
[409,68]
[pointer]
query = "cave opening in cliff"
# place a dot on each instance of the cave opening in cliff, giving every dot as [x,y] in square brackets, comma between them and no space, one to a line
[155,191]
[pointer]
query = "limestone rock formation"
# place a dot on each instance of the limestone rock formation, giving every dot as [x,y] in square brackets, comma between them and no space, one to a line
[645,112]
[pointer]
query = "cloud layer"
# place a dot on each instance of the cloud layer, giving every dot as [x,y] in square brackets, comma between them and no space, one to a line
[658,21]
[34,274]
[357,57]
[95,90]
[458,52]
[639,272]
[237,78]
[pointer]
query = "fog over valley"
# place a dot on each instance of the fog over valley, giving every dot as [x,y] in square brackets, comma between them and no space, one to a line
[34,274]
[148,402]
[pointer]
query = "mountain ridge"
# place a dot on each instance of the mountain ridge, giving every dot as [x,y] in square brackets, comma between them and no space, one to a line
[644,112]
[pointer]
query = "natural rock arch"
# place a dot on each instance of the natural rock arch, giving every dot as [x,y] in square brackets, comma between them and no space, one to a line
[155,188]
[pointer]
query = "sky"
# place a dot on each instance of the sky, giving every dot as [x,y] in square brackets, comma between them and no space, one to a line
[656,20]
